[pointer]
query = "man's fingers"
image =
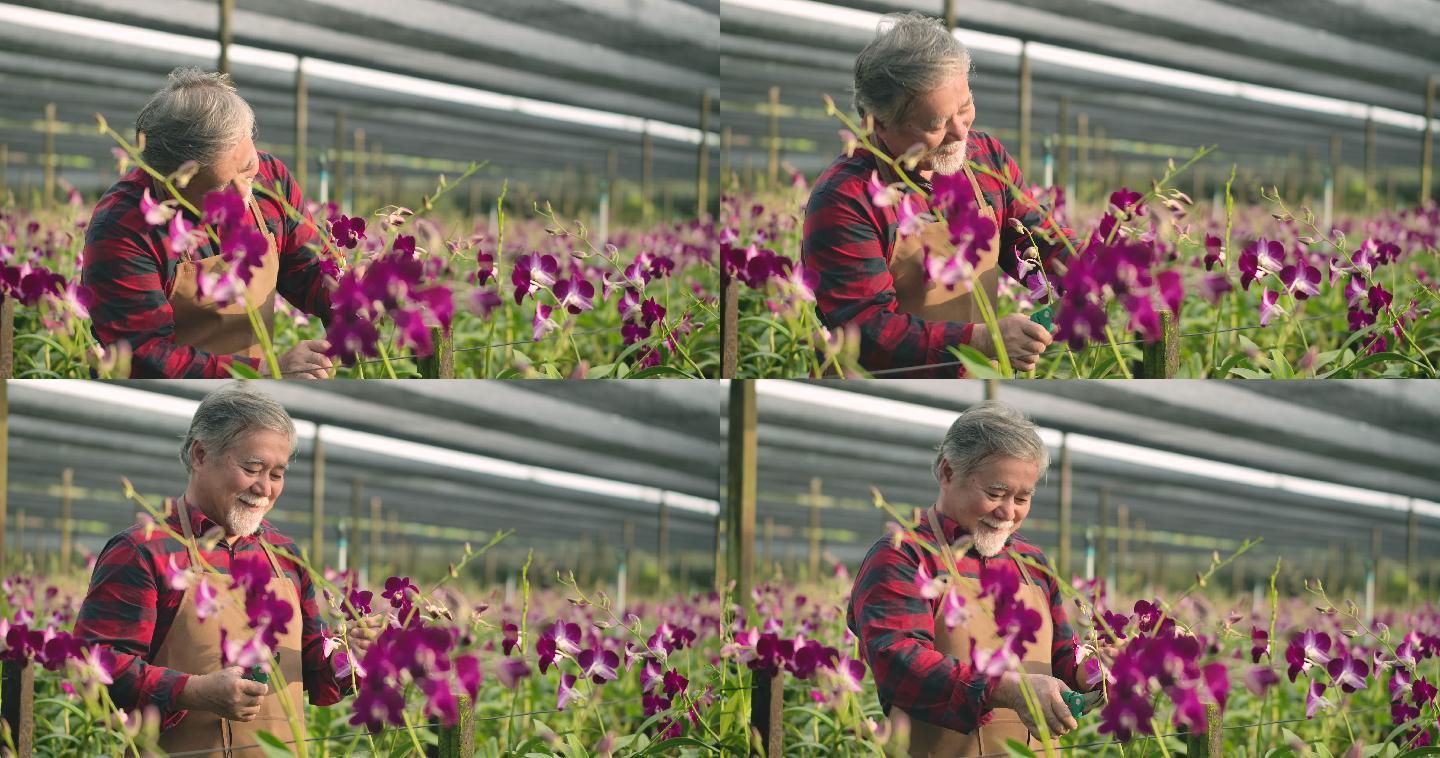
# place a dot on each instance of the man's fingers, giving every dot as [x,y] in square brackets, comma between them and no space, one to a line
[254,689]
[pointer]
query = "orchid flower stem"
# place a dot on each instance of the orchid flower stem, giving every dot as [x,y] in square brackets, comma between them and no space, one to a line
[291,715]
[1032,704]
[385,358]
[410,729]
[110,704]
[992,325]
[1399,324]
[1160,738]
[257,325]
[1119,361]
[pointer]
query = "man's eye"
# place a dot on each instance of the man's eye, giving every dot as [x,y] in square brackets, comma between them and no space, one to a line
[255,472]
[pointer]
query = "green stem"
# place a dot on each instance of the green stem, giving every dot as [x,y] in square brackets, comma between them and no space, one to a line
[1114,348]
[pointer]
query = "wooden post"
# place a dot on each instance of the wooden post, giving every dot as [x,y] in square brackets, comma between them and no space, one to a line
[1102,536]
[1412,553]
[1161,359]
[721,538]
[949,14]
[458,741]
[740,504]
[372,555]
[227,10]
[301,169]
[814,528]
[647,178]
[392,540]
[440,363]
[767,709]
[1067,484]
[17,691]
[702,159]
[1426,142]
[770,546]
[992,388]
[4,172]
[1062,157]
[1375,569]
[337,167]
[729,324]
[1024,117]
[1211,742]
[1082,155]
[317,499]
[67,519]
[773,166]
[5,467]
[7,338]
[628,563]
[49,154]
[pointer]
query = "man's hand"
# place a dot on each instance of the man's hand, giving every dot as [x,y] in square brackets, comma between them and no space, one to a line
[362,633]
[307,360]
[1024,340]
[1047,691]
[224,692]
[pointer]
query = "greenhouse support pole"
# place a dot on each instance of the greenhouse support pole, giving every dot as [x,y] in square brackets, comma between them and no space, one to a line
[622,584]
[1024,116]
[5,470]
[1370,184]
[17,691]
[1161,359]
[372,556]
[227,11]
[1122,542]
[702,158]
[647,177]
[770,547]
[352,534]
[1412,552]
[1372,571]
[317,499]
[1102,540]
[440,363]
[339,160]
[720,538]
[1426,141]
[302,126]
[357,183]
[4,171]
[1062,157]
[767,711]
[1090,553]
[773,165]
[662,543]
[49,152]
[67,519]
[949,13]
[1067,483]
[1082,154]
[727,140]
[740,500]
[814,528]
[992,388]
[1211,742]
[729,324]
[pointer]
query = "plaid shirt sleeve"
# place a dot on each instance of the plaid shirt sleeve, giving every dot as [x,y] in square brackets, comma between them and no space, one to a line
[844,242]
[302,280]
[896,628]
[1010,207]
[119,612]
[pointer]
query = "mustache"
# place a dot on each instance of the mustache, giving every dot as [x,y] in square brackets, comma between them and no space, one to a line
[260,501]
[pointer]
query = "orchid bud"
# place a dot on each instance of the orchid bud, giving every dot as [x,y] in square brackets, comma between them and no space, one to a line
[182,175]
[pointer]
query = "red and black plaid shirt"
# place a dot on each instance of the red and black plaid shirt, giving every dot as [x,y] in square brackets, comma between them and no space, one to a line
[129,268]
[896,628]
[130,607]
[848,242]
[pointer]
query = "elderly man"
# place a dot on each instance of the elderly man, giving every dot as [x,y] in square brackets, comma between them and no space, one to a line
[932,657]
[913,81]
[146,603]
[149,294]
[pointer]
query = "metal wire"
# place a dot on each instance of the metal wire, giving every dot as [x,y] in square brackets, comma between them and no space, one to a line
[1092,346]
[463,349]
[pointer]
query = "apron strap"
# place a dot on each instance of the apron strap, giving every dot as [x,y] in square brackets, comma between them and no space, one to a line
[979,196]
[260,221]
[183,511]
[274,564]
[947,555]
[1023,572]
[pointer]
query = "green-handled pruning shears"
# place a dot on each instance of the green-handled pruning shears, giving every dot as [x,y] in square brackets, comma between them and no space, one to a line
[1044,317]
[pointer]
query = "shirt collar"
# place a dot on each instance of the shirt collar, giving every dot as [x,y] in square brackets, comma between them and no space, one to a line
[200,523]
[952,529]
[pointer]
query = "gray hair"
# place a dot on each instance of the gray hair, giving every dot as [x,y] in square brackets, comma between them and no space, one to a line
[914,55]
[229,412]
[989,429]
[196,116]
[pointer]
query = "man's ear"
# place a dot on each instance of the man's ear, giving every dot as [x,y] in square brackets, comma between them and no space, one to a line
[946,472]
[197,454]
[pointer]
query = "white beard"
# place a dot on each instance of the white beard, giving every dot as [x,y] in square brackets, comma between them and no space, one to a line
[990,541]
[245,521]
[948,159]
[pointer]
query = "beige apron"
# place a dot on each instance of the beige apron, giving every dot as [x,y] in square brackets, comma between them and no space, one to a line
[204,324]
[927,739]
[931,300]
[194,648]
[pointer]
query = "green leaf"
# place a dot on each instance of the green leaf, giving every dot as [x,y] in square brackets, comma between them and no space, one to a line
[243,371]
[1247,373]
[1282,369]
[1014,749]
[977,366]
[273,746]
[600,372]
